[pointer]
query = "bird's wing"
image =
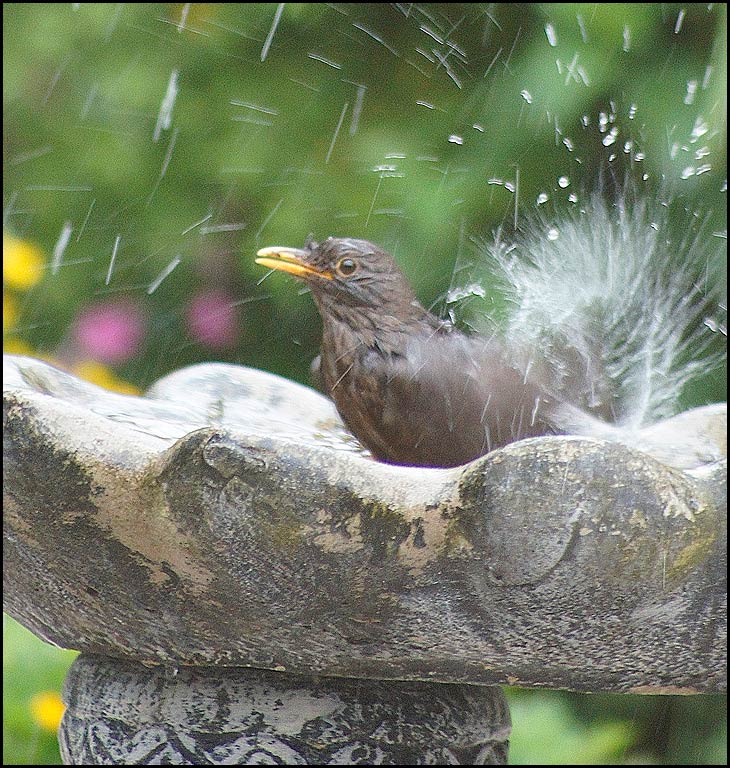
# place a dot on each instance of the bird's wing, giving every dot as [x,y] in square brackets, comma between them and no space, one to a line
[449,400]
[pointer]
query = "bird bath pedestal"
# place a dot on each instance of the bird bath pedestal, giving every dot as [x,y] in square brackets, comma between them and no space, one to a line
[246,586]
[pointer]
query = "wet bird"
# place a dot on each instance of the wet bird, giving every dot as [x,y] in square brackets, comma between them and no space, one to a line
[411,387]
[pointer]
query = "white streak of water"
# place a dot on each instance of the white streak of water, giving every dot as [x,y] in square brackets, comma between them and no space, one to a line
[112,260]
[272,31]
[155,284]
[164,117]
[336,134]
[60,247]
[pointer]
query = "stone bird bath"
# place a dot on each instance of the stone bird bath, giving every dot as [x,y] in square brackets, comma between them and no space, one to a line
[247,586]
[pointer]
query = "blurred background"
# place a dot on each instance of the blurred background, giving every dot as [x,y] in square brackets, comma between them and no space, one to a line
[150,149]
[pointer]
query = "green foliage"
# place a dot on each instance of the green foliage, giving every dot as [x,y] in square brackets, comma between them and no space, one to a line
[548,719]
[30,667]
[561,728]
[438,107]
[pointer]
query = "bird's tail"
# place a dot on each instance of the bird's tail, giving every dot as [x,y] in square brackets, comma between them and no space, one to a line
[611,313]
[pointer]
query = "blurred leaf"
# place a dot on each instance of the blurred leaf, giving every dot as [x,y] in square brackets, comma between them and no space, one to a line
[30,668]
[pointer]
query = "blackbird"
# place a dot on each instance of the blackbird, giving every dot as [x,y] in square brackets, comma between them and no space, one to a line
[411,387]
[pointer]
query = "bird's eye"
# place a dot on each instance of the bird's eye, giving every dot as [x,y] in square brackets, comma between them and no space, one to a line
[346,267]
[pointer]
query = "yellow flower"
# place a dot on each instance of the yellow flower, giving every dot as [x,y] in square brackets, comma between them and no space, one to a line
[16,346]
[23,263]
[99,374]
[47,710]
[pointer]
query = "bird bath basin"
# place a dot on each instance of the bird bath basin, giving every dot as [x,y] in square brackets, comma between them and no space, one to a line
[245,583]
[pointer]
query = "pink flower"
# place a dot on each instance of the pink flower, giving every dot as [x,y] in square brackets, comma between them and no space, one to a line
[110,332]
[213,320]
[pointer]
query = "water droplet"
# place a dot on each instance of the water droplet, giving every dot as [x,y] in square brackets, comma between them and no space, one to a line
[527,96]
[699,129]
[610,137]
[703,169]
[563,182]
[542,198]
[706,78]
[632,111]
[568,144]
[572,197]
[454,139]
[687,172]
[680,19]
[459,293]
[553,234]
[714,326]
[689,97]
[551,35]
[478,127]
[627,38]
[628,146]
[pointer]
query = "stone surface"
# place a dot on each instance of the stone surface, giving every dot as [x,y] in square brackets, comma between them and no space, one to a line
[228,519]
[121,713]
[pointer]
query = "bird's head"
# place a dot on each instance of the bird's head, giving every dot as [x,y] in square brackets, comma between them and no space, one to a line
[343,272]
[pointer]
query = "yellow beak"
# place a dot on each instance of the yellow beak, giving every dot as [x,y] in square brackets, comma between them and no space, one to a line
[291,260]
